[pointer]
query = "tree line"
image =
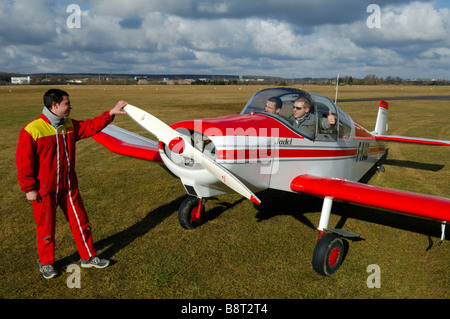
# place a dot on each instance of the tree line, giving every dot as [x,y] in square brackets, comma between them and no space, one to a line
[370,79]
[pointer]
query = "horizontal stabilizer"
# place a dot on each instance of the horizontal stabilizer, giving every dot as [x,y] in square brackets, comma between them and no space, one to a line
[123,142]
[427,206]
[417,140]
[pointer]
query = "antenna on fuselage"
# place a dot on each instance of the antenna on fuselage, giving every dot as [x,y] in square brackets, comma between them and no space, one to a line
[337,86]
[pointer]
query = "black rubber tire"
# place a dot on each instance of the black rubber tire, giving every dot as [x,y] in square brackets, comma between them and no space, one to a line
[328,254]
[185,213]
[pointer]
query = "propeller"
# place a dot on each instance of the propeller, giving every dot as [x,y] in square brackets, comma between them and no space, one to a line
[177,143]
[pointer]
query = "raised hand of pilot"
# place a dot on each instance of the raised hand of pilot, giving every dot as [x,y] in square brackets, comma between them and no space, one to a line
[331,118]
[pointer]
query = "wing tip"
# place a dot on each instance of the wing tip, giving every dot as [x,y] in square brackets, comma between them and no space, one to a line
[255,200]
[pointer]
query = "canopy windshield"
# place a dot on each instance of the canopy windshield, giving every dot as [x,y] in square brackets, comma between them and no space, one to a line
[320,107]
[257,102]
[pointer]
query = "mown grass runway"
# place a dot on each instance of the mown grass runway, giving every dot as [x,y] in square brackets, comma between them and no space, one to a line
[243,251]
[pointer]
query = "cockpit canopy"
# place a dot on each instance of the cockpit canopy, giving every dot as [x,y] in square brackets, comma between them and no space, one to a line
[320,108]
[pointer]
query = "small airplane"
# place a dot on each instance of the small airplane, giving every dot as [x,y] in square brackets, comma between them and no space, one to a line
[256,150]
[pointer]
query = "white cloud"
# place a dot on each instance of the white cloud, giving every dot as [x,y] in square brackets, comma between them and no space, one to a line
[273,37]
[437,52]
[216,8]
[417,21]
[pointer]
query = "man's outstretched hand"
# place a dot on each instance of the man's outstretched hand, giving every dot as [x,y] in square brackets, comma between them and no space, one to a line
[118,108]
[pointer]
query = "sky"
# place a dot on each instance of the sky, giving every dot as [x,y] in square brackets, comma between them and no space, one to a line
[282,38]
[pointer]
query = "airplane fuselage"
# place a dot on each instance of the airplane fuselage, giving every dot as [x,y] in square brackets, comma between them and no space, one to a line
[264,151]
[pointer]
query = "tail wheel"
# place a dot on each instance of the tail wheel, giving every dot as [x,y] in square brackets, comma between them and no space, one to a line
[190,213]
[328,254]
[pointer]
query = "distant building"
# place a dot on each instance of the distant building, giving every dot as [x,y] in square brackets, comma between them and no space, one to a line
[142,81]
[77,81]
[20,80]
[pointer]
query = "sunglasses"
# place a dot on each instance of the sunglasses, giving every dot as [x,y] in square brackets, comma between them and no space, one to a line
[298,108]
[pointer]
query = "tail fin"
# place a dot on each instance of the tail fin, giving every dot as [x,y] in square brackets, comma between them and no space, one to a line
[381,129]
[381,125]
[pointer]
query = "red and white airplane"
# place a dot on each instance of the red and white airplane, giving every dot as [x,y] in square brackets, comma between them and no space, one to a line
[256,150]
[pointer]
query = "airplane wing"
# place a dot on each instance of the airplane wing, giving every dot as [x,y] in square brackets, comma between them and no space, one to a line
[426,206]
[417,140]
[123,142]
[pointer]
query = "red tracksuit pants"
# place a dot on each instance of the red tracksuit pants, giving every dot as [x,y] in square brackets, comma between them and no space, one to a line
[75,213]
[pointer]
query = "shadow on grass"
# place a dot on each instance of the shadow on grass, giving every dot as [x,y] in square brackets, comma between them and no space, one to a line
[284,203]
[219,208]
[415,165]
[274,203]
[122,239]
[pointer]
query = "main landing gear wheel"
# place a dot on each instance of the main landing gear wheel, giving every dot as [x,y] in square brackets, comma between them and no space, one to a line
[328,254]
[190,213]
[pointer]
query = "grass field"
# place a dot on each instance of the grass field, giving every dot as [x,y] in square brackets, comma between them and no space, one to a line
[243,251]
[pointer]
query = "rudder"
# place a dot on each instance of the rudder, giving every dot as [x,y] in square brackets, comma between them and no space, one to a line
[381,124]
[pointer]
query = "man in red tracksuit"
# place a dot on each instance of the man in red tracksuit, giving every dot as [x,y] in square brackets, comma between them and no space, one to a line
[45,160]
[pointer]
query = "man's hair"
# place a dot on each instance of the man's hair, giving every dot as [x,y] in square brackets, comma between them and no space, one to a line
[305,100]
[53,95]
[277,101]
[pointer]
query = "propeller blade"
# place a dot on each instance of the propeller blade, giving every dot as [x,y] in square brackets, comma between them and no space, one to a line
[226,177]
[177,143]
[152,124]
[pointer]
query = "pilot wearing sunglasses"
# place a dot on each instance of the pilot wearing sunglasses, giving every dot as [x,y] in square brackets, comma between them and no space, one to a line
[304,120]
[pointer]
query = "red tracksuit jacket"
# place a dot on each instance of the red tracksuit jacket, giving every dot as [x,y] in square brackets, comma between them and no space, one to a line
[41,159]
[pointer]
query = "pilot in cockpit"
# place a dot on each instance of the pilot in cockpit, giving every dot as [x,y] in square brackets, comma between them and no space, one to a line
[273,105]
[304,119]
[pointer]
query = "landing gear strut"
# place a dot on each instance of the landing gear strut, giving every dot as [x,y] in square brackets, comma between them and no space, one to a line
[191,212]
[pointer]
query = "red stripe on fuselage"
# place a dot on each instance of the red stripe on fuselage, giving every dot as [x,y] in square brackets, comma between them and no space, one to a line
[282,153]
[247,154]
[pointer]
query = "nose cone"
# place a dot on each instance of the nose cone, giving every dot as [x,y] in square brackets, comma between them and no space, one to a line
[177,145]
